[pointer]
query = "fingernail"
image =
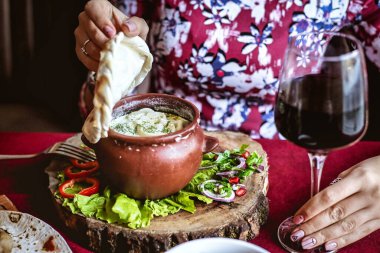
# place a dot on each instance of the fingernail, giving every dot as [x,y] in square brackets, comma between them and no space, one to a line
[298,219]
[295,236]
[109,31]
[331,246]
[130,25]
[308,243]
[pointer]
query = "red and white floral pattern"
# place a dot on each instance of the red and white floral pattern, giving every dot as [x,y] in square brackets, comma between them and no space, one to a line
[225,56]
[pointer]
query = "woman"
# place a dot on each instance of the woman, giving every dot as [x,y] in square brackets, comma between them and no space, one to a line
[225,57]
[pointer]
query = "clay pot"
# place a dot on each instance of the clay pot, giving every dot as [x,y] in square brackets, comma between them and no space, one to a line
[156,166]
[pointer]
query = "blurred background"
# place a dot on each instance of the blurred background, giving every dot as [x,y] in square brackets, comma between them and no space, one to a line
[40,75]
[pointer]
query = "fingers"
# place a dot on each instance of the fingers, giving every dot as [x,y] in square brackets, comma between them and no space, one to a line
[90,63]
[348,227]
[96,25]
[91,54]
[99,22]
[362,231]
[135,26]
[101,14]
[326,198]
[331,215]
[91,48]
[92,31]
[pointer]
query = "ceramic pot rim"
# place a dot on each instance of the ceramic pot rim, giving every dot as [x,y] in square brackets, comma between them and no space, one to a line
[167,138]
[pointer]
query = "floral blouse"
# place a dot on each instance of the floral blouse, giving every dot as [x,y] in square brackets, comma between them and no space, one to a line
[225,56]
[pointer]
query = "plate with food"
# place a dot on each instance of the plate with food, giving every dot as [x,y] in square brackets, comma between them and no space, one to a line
[24,233]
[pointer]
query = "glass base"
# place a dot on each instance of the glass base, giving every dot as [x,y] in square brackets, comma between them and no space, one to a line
[283,233]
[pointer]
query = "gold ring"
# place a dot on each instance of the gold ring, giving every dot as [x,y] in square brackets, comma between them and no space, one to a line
[83,48]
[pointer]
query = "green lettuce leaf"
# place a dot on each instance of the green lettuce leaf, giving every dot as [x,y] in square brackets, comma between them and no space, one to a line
[183,200]
[161,208]
[89,205]
[106,213]
[146,216]
[70,204]
[126,214]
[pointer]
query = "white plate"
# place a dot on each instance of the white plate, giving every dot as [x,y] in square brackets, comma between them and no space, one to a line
[27,234]
[217,245]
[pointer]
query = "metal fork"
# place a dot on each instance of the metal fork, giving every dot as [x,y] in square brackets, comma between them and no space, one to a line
[60,148]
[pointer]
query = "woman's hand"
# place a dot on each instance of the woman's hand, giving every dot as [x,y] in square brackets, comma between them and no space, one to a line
[99,22]
[343,212]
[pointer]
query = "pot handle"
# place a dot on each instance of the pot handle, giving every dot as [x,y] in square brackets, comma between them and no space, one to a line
[209,144]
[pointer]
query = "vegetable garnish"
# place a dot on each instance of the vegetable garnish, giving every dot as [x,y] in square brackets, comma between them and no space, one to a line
[246,154]
[232,167]
[240,160]
[219,178]
[228,173]
[82,186]
[234,180]
[75,172]
[218,190]
[240,192]
[83,165]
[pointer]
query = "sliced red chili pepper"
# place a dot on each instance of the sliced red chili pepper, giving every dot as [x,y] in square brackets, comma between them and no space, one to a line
[84,165]
[75,172]
[86,191]
[246,154]
[240,192]
[234,180]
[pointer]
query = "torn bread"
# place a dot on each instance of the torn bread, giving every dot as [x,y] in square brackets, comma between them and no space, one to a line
[124,63]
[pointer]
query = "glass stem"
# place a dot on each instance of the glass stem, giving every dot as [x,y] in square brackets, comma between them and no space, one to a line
[316,162]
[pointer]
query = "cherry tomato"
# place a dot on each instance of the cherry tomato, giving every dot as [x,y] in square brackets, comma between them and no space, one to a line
[240,192]
[246,154]
[234,180]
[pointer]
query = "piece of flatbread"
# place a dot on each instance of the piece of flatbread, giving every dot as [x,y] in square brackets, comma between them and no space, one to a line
[6,242]
[124,63]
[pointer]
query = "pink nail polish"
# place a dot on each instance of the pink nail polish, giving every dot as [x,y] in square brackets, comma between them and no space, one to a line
[130,25]
[109,31]
[308,243]
[295,236]
[331,246]
[298,219]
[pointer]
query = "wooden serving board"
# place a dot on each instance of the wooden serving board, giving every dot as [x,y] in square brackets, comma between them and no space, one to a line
[241,219]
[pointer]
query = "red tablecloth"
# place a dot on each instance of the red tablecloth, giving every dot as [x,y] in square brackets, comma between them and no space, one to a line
[25,183]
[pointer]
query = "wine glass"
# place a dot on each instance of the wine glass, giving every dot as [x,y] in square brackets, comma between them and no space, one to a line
[321,104]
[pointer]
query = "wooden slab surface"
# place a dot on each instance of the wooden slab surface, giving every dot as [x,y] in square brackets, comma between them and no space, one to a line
[241,219]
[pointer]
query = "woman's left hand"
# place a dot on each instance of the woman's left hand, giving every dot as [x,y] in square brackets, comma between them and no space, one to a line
[344,212]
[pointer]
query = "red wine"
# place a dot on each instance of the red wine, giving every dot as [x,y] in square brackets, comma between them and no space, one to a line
[321,113]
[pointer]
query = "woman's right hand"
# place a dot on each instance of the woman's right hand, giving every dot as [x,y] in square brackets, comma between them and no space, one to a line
[99,22]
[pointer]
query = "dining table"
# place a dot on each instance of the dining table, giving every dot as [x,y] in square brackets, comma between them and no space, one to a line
[24,182]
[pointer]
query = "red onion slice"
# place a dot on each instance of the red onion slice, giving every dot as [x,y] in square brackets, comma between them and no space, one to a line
[207,167]
[242,164]
[218,197]
[227,173]
[260,168]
